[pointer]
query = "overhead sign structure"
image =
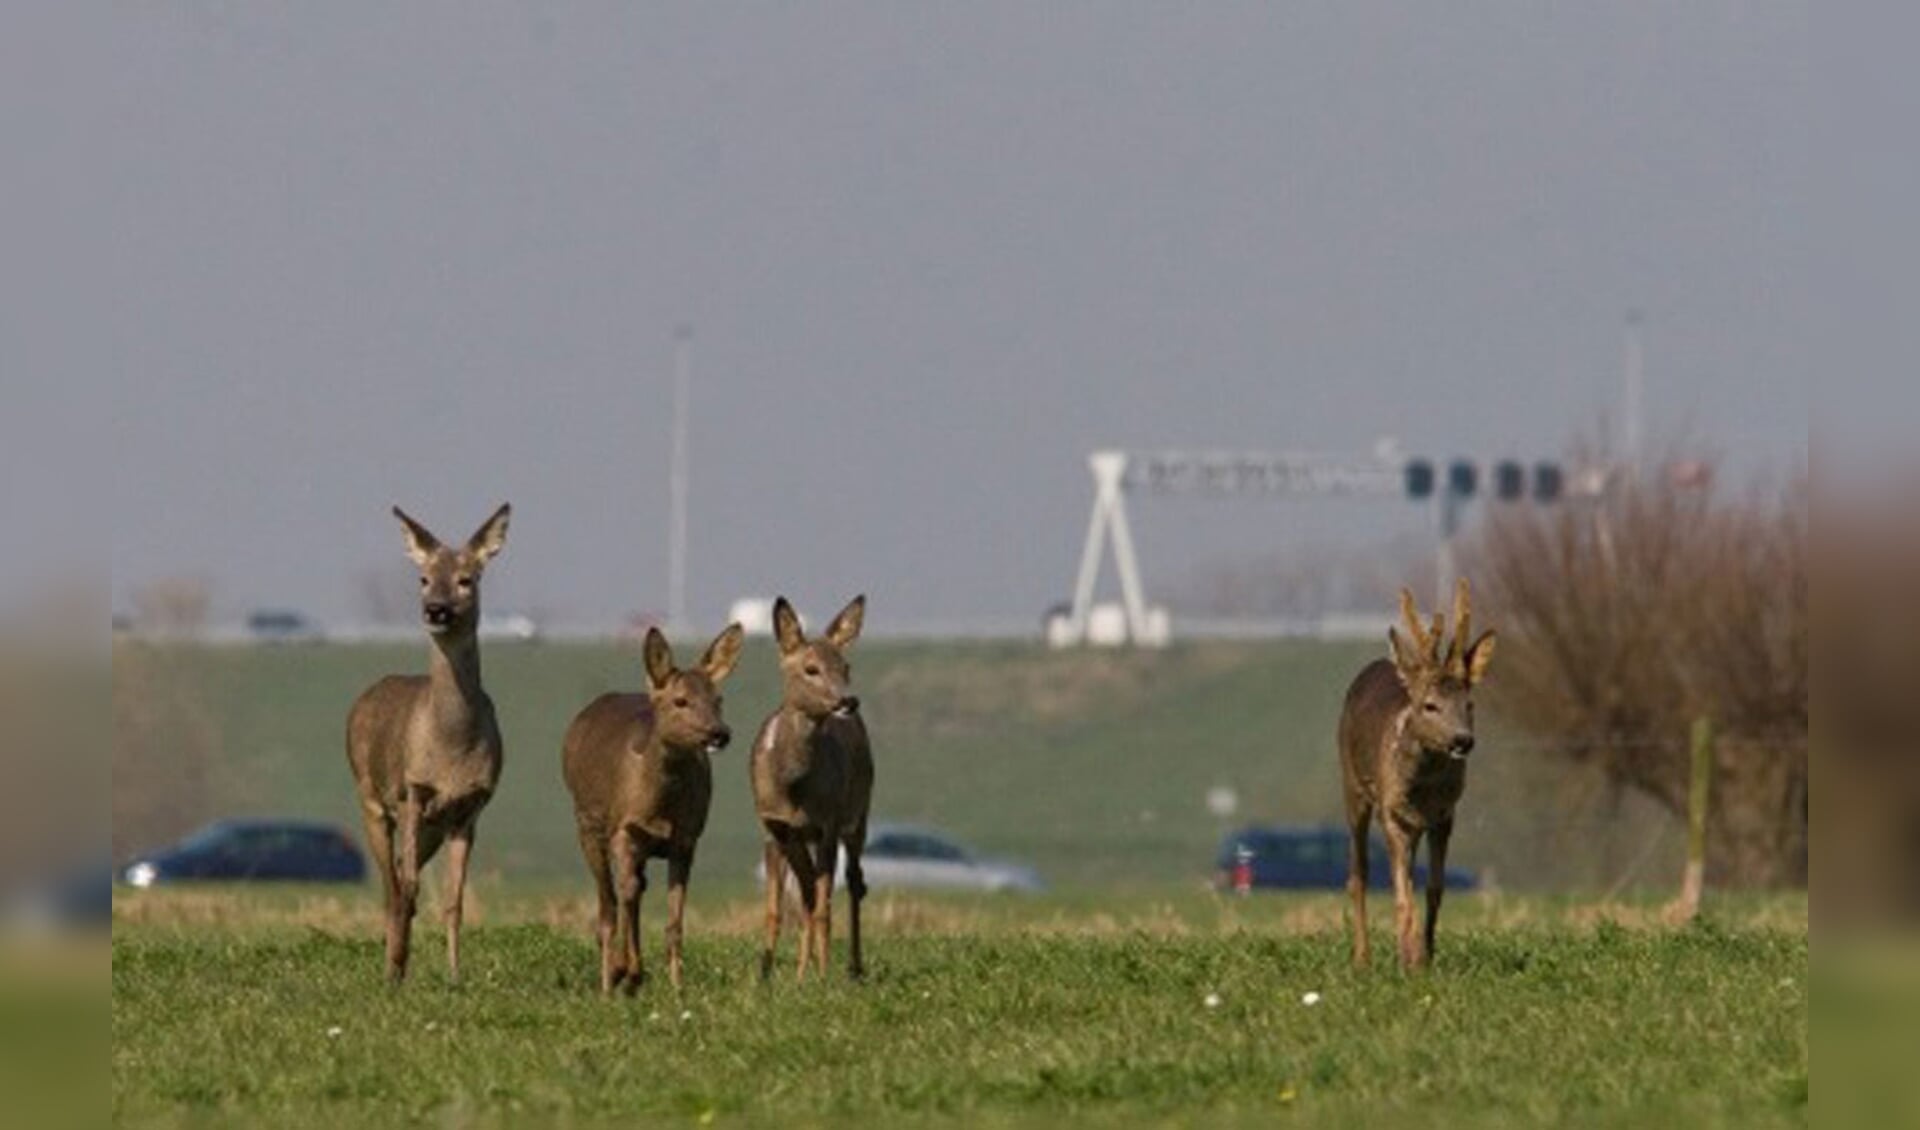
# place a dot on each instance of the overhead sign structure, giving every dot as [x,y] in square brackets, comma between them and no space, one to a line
[1227,472]
[1115,473]
[1223,473]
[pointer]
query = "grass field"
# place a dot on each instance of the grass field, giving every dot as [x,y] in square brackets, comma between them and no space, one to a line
[1093,766]
[1089,1004]
[255,1008]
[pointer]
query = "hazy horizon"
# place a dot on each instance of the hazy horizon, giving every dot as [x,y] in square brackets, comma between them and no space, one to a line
[352,255]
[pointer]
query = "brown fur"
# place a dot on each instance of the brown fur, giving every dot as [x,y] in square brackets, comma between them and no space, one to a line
[812,772]
[637,766]
[1405,732]
[425,749]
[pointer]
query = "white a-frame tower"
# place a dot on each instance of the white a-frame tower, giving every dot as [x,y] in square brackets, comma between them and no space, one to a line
[1109,522]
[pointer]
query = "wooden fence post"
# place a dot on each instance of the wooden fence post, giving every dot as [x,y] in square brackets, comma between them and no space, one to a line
[1697,791]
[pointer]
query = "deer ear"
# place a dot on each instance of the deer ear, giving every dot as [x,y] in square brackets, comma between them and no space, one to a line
[421,543]
[659,659]
[723,653]
[846,626]
[1478,656]
[491,537]
[786,627]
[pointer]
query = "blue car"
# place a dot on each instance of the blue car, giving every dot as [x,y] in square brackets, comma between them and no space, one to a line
[267,850]
[1312,859]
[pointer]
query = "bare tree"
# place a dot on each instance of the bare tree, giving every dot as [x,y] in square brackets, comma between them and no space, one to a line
[1631,613]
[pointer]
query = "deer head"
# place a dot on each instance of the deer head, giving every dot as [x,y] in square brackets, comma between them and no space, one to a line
[1439,673]
[815,674]
[450,577]
[686,704]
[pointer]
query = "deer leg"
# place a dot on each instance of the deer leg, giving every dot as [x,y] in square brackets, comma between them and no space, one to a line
[629,883]
[856,890]
[776,866]
[406,883]
[1357,872]
[380,847]
[828,856]
[595,850]
[679,868]
[459,847]
[800,863]
[1402,842]
[1436,879]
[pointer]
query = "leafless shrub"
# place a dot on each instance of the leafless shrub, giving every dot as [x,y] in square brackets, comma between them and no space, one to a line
[1626,616]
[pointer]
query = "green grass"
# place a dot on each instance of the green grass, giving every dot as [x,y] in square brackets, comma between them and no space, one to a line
[1031,1012]
[1087,1004]
[1093,766]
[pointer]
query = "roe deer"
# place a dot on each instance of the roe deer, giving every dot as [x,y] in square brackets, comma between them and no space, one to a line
[1405,733]
[812,773]
[637,766]
[425,749]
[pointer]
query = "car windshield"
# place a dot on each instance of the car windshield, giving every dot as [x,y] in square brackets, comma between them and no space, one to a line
[318,840]
[1291,847]
[911,845]
[1253,843]
[246,841]
[208,838]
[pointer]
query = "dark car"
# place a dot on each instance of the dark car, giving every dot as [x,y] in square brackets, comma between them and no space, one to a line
[282,625]
[1312,858]
[267,850]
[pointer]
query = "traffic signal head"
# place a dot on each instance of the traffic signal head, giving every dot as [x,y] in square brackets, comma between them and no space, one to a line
[1548,482]
[1463,478]
[1509,481]
[1419,474]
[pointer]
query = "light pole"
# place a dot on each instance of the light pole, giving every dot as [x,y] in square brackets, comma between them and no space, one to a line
[1634,377]
[1446,514]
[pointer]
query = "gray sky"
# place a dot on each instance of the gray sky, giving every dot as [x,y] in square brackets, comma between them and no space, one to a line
[340,255]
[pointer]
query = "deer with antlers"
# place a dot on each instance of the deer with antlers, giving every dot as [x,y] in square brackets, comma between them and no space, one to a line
[1405,734]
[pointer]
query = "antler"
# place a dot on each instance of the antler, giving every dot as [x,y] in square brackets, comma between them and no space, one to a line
[1462,629]
[1423,641]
